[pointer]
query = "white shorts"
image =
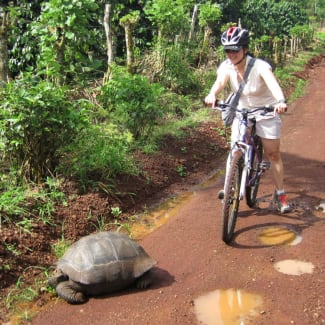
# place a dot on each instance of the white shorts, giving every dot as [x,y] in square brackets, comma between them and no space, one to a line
[269,128]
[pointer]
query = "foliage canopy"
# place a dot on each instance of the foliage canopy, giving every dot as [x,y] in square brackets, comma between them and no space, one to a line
[55,53]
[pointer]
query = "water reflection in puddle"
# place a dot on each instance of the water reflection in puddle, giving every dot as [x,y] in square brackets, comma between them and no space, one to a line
[148,222]
[227,307]
[294,267]
[279,236]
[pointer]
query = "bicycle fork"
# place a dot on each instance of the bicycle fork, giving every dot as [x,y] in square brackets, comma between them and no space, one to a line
[247,152]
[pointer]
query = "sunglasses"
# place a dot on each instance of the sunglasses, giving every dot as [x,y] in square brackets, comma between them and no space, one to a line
[232,51]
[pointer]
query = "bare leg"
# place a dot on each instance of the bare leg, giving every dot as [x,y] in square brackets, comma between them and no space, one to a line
[272,153]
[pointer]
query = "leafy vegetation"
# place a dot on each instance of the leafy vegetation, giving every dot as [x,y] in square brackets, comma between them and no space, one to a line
[56,121]
[98,151]
[132,102]
[59,48]
[37,118]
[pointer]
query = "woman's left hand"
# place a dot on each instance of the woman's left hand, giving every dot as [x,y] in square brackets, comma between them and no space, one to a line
[280,108]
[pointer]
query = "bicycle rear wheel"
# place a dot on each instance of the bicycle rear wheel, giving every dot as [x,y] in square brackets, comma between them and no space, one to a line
[231,197]
[251,191]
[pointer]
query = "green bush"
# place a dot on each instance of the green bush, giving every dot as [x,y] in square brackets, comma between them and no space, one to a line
[36,120]
[178,74]
[132,102]
[304,32]
[173,67]
[98,151]
[176,106]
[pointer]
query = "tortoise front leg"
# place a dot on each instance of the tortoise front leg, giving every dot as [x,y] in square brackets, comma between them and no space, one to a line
[144,281]
[71,292]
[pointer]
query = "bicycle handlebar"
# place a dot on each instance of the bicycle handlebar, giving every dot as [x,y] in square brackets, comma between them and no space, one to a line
[223,106]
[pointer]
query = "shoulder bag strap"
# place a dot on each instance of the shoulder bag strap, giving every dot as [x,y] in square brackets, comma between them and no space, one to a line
[243,82]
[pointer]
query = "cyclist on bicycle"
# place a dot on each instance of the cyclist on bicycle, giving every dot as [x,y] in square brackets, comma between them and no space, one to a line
[261,89]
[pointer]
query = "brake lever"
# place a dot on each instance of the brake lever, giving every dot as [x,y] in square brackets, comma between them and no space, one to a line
[267,109]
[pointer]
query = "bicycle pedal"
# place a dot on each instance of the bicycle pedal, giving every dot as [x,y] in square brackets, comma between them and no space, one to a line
[264,165]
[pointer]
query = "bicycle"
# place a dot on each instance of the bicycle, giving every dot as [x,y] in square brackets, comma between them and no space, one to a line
[245,171]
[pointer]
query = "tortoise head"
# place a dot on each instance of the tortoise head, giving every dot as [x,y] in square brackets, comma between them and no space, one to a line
[57,277]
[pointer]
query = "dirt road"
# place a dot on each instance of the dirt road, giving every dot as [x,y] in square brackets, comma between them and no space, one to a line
[192,260]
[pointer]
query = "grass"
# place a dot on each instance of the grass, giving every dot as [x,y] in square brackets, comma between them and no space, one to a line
[177,127]
[20,203]
[297,64]
[320,36]
[21,297]
[60,247]
[299,90]
[181,170]
[24,293]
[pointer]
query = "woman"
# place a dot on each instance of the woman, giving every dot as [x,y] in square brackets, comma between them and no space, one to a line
[261,89]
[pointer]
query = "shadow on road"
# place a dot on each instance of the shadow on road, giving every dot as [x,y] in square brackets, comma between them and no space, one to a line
[304,181]
[160,279]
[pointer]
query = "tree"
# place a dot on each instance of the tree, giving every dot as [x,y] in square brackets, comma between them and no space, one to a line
[231,10]
[108,33]
[209,17]
[193,22]
[37,118]
[4,26]
[22,45]
[169,17]
[270,17]
[129,22]
[66,37]
[319,11]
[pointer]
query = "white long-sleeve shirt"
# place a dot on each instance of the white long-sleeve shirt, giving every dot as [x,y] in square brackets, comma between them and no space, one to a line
[261,87]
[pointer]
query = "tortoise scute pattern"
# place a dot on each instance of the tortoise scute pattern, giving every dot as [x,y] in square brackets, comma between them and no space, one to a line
[101,263]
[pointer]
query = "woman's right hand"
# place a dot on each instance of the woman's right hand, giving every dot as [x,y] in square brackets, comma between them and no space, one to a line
[210,99]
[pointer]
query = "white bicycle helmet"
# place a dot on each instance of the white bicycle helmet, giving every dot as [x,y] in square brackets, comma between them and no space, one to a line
[235,38]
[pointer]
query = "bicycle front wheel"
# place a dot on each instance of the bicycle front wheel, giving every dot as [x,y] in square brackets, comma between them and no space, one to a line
[231,197]
[255,175]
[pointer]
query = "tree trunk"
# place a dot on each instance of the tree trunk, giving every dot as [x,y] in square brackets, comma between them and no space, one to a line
[109,40]
[207,34]
[4,69]
[203,55]
[59,48]
[129,22]
[129,48]
[194,20]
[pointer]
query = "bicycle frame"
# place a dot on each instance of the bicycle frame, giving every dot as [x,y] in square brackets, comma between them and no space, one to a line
[246,145]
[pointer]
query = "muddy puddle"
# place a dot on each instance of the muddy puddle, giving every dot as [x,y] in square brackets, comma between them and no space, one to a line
[294,267]
[150,221]
[273,236]
[228,307]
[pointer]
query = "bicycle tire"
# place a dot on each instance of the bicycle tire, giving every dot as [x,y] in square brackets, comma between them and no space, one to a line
[251,191]
[231,197]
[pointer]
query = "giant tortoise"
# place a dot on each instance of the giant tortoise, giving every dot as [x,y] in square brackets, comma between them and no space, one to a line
[101,263]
